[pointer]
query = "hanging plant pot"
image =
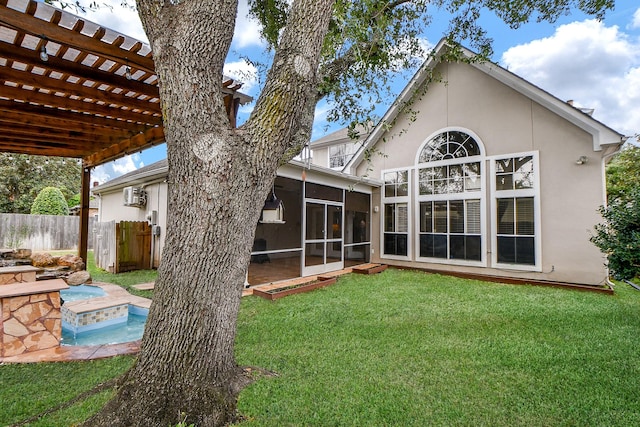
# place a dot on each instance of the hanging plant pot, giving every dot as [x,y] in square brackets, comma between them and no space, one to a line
[295,289]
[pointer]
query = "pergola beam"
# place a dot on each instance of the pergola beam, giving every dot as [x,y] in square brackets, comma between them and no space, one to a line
[78,102]
[63,66]
[10,146]
[52,31]
[9,119]
[81,91]
[136,143]
[72,117]
[65,103]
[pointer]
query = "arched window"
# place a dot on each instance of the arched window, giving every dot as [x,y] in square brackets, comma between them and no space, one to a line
[450,196]
[449,145]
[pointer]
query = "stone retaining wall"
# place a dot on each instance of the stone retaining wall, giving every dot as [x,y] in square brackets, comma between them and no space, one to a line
[31,318]
[17,274]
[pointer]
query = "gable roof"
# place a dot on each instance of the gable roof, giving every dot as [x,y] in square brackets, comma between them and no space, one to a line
[341,136]
[602,135]
[144,175]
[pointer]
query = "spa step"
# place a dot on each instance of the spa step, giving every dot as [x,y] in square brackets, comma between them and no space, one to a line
[93,304]
[95,313]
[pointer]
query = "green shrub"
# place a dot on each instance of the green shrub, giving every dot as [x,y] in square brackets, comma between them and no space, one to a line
[50,201]
[73,200]
[619,236]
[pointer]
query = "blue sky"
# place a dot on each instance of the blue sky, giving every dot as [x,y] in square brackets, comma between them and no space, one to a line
[596,64]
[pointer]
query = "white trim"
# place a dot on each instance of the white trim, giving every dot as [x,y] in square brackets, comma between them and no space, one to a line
[395,200]
[530,192]
[481,195]
[324,267]
[449,129]
[276,251]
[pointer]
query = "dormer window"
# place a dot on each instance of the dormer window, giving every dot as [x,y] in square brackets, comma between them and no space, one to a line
[340,154]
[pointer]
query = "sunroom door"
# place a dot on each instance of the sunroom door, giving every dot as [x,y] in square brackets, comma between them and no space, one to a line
[323,244]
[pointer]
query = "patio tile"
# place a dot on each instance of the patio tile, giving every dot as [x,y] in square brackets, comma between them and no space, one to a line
[145,286]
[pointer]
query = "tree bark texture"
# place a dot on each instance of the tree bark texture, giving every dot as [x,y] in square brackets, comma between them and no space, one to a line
[218,181]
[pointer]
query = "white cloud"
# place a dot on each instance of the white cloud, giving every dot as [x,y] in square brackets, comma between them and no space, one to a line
[112,14]
[127,164]
[100,174]
[595,65]
[635,23]
[247,31]
[243,72]
[114,169]
[124,19]
[321,126]
[121,19]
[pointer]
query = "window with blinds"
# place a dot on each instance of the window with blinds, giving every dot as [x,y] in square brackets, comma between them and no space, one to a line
[515,210]
[396,213]
[450,229]
[449,192]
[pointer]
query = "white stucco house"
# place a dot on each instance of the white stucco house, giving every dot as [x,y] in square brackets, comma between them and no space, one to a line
[495,178]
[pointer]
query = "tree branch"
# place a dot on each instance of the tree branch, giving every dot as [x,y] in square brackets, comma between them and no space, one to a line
[330,72]
[279,111]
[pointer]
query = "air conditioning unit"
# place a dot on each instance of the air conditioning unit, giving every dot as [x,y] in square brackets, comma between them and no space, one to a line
[134,196]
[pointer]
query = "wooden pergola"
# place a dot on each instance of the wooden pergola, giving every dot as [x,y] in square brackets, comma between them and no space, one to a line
[72,88]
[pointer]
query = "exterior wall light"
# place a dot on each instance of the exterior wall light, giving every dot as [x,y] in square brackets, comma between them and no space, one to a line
[582,160]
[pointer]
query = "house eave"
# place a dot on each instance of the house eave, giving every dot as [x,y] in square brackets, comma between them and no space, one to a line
[159,174]
[602,135]
[139,179]
[371,182]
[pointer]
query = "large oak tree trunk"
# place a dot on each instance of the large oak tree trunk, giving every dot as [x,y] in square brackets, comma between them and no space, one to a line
[218,179]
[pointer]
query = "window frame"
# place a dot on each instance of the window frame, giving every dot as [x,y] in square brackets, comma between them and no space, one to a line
[464,196]
[517,194]
[350,149]
[396,200]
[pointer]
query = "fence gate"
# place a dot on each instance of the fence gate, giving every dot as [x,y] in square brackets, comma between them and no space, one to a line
[133,246]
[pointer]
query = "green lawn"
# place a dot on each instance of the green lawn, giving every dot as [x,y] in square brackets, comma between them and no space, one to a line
[28,390]
[126,280]
[411,349]
[406,349]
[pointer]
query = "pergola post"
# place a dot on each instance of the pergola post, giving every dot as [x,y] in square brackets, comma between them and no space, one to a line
[84,214]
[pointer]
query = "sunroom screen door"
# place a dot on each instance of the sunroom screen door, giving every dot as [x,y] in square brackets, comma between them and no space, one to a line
[323,244]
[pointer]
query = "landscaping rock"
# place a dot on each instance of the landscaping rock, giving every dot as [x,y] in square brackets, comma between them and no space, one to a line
[78,278]
[43,260]
[22,253]
[74,262]
[56,272]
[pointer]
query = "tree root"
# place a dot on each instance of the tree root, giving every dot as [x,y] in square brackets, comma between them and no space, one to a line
[80,397]
[249,374]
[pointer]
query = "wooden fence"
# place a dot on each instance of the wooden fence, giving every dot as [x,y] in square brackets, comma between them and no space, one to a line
[122,246]
[104,245]
[41,232]
[133,246]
